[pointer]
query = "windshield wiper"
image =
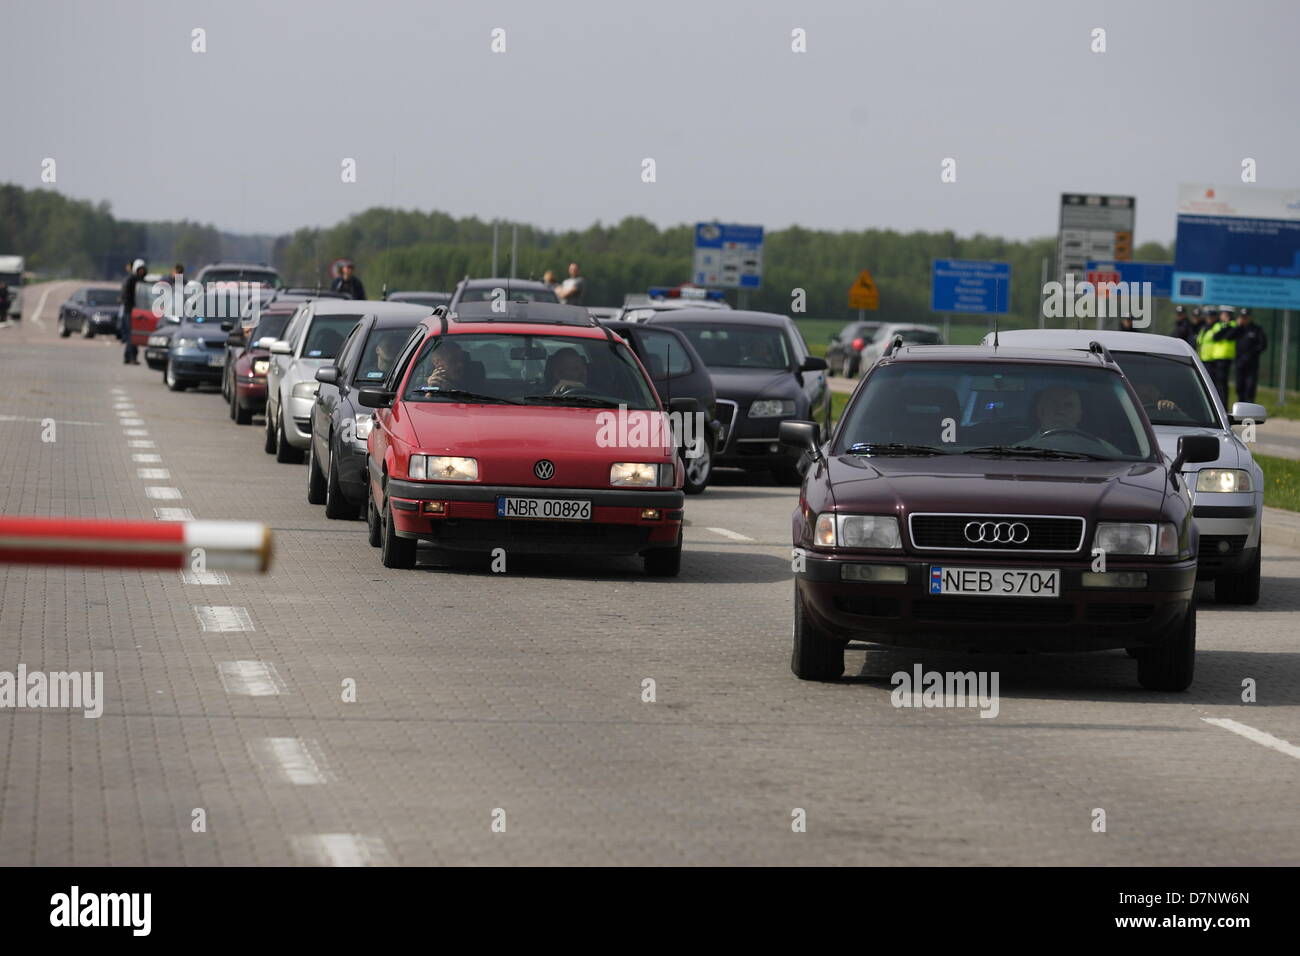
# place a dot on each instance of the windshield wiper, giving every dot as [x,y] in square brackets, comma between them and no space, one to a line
[1033,451]
[584,400]
[462,393]
[893,448]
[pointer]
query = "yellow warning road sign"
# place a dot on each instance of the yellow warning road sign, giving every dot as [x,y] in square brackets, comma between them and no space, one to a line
[863,294]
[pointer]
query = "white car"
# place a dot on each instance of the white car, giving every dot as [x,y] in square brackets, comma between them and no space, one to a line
[1180,399]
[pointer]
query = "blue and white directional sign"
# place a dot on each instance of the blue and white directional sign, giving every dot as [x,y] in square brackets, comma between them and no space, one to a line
[969,285]
[1159,274]
[728,256]
[1238,245]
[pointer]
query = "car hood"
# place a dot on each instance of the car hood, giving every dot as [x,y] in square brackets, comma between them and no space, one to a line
[1231,454]
[979,485]
[508,440]
[747,384]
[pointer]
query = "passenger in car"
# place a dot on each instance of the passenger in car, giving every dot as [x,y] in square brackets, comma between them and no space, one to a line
[566,371]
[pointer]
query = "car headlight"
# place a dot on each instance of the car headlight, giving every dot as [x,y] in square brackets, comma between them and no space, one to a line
[1223,479]
[772,408]
[637,474]
[187,343]
[305,389]
[857,531]
[158,340]
[364,423]
[261,367]
[442,468]
[1132,538]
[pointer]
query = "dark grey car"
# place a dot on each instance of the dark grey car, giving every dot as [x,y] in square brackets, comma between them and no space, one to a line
[89,310]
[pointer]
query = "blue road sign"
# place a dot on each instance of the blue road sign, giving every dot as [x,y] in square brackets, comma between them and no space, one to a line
[968,285]
[728,256]
[1159,274]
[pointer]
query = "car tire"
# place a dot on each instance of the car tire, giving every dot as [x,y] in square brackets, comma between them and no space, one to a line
[1240,588]
[315,480]
[337,505]
[787,473]
[87,329]
[816,655]
[233,404]
[268,445]
[242,416]
[285,453]
[64,331]
[699,470]
[374,530]
[664,562]
[1170,665]
[846,367]
[395,552]
[173,381]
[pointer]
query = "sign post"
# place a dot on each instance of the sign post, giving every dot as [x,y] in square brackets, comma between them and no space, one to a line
[1093,227]
[728,256]
[863,294]
[970,285]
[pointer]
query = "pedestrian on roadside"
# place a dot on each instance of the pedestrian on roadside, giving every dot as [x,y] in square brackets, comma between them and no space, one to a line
[4,301]
[1251,344]
[573,290]
[130,355]
[548,279]
[1183,327]
[348,283]
[1218,348]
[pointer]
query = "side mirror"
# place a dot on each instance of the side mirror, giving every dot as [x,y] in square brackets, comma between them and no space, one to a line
[234,338]
[329,375]
[813,364]
[281,347]
[1244,410]
[683,406]
[375,397]
[1192,449]
[265,342]
[804,436]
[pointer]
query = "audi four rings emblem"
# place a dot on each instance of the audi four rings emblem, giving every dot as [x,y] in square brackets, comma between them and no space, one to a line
[545,468]
[997,532]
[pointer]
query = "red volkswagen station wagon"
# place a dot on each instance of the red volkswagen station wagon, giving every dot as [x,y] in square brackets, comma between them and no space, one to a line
[493,430]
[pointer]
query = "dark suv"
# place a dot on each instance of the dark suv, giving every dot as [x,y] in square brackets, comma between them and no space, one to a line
[976,498]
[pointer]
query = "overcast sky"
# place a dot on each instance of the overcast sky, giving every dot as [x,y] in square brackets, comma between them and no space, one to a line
[251,135]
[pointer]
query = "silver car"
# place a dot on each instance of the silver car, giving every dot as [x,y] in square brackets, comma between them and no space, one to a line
[311,341]
[1180,399]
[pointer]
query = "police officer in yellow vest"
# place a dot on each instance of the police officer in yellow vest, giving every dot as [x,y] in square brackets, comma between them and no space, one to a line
[1217,346]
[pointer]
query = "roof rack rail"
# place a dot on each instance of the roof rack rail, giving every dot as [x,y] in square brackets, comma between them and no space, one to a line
[894,345]
[1096,348]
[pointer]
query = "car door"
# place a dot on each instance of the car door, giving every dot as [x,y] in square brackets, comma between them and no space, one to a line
[324,411]
[275,372]
[381,431]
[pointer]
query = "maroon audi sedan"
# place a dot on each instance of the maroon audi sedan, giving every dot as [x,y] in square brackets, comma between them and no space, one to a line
[978,498]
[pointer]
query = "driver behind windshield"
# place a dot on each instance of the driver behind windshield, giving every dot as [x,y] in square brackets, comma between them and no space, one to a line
[446,366]
[1149,394]
[566,372]
[1057,408]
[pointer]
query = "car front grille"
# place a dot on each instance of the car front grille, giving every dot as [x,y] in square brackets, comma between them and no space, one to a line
[726,418]
[1211,557]
[1119,613]
[947,532]
[992,610]
[572,537]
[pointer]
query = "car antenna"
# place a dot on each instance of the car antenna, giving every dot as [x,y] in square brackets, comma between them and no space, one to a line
[995,331]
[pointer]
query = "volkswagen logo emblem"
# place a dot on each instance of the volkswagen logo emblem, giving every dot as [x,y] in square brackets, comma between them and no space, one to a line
[997,532]
[545,470]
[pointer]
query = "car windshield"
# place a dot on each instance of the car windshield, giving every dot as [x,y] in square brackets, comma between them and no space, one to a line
[103,296]
[269,279]
[325,335]
[382,349]
[1011,409]
[727,345]
[1170,389]
[529,369]
[421,298]
[271,326]
[485,293]
[917,336]
[11,279]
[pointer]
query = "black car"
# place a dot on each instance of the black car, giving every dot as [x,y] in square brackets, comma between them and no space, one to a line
[844,351]
[763,375]
[514,290]
[340,426]
[196,352]
[678,372]
[431,299]
[90,310]
[986,499]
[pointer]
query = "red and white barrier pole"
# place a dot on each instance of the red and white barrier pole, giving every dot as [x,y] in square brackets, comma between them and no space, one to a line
[89,542]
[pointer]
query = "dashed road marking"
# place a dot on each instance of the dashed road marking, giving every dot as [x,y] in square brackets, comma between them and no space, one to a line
[204,577]
[733,535]
[291,759]
[132,422]
[138,443]
[163,492]
[250,678]
[41,421]
[1258,736]
[341,849]
[154,474]
[146,459]
[137,433]
[224,619]
[173,514]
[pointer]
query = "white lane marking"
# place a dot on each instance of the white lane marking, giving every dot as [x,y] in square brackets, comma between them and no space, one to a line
[204,577]
[146,459]
[41,421]
[224,619]
[291,759]
[341,849]
[173,514]
[154,474]
[140,444]
[733,535]
[1258,736]
[124,406]
[250,678]
[132,422]
[40,306]
[117,391]
[163,493]
[137,433]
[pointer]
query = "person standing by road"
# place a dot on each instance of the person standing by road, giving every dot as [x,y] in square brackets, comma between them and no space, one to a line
[573,290]
[130,354]
[4,301]
[1183,327]
[1251,344]
[1218,348]
[348,283]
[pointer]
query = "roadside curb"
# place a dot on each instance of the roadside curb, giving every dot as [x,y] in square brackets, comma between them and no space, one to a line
[1281,528]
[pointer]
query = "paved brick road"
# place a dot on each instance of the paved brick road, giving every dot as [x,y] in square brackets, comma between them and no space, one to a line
[478,691]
